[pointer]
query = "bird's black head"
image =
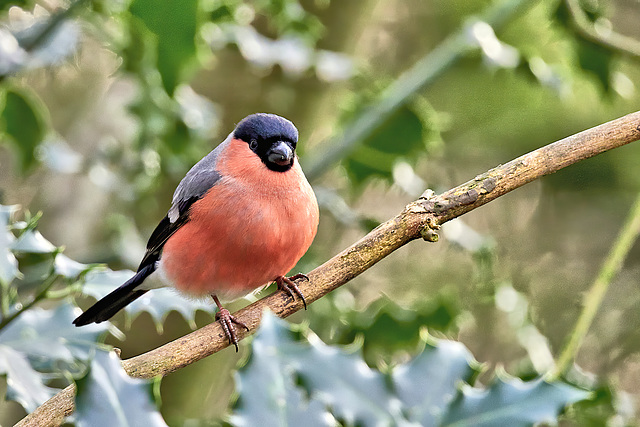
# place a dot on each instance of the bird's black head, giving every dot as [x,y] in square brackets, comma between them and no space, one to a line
[272,138]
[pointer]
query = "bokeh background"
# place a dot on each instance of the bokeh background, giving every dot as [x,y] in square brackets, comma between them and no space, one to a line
[116,115]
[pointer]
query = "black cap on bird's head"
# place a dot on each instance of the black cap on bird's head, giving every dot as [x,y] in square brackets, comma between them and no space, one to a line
[272,138]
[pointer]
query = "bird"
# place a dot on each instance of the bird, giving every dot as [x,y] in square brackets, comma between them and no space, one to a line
[240,219]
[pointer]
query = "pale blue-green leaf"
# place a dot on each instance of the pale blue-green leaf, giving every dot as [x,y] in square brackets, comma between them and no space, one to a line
[157,302]
[8,262]
[49,339]
[343,381]
[58,156]
[269,396]
[31,241]
[429,382]
[12,56]
[108,397]
[24,384]
[66,267]
[511,402]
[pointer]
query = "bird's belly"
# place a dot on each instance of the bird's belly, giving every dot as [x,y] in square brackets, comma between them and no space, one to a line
[235,247]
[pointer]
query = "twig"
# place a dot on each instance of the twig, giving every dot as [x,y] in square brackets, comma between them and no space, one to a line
[412,223]
[423,73]
[610,40]
[42,294]
[593,299]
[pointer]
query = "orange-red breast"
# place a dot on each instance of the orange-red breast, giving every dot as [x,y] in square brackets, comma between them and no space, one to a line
[242,217]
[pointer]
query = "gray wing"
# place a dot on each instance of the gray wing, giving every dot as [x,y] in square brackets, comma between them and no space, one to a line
[202,176]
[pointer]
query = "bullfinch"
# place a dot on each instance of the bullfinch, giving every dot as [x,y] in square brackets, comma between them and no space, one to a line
[241,218]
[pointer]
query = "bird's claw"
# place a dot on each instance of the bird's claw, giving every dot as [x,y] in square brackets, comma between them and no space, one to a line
[288,285]
[226,321]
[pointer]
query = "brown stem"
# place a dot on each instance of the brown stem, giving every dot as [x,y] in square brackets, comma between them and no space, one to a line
[418,219]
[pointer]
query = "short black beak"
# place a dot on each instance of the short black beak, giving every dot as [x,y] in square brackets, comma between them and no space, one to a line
[280,154]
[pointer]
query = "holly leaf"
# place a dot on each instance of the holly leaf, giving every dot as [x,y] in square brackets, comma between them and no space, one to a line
[512,402]
[8,261]
[175,25]
[158,302]
[49,340]
[284,404]
[24,123]
[596,60]
[68,268]
[24,384]
[424,391]
[428,383]
[107,396]
[33,242]
[401,136]
[40,345]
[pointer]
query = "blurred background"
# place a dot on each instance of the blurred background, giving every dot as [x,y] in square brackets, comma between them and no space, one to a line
[391,98]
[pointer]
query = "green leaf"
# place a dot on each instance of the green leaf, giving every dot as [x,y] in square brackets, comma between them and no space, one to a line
[401,136]
[597,60]
[107,396]
[175,24]
[5,4]
[24,124]
[158,302]
[428,383]
[511,402]
[49,340]
[267,388]
[8,262]
[24,384]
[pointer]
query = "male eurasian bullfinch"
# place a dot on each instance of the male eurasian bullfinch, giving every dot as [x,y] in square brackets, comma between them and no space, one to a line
[242,217]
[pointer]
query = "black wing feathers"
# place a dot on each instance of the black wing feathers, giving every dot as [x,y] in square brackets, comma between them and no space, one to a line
[163,231]
[108,306]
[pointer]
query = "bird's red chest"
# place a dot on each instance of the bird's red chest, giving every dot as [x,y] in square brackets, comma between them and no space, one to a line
[251,227]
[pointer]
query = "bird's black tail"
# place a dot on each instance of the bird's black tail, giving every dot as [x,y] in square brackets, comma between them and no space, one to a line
[108,306]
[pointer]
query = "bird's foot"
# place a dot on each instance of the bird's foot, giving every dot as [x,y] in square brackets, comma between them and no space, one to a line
[288,285]
[226,321]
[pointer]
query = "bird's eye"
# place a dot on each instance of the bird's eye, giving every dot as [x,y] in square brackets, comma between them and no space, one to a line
[253,144]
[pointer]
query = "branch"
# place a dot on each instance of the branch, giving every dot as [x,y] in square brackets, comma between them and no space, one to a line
[609,39]
[417,220]
[423,73]
[593,298]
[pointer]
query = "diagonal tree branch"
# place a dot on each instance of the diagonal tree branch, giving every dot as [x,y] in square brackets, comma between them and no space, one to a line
[423,73]
[418,219]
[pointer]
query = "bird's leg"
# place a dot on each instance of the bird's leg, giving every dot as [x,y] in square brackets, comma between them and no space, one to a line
[288,285]
[226,321]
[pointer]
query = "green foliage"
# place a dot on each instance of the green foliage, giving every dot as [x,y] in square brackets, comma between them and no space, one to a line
[401,136]
[592,58]
[23,125]
[174,25]
[107,396]
[385,328]
[425,390]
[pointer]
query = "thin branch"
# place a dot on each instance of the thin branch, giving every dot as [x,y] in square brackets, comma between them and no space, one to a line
[417,220]
[593,299]
[42,294]
[610,39]
[423,73]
